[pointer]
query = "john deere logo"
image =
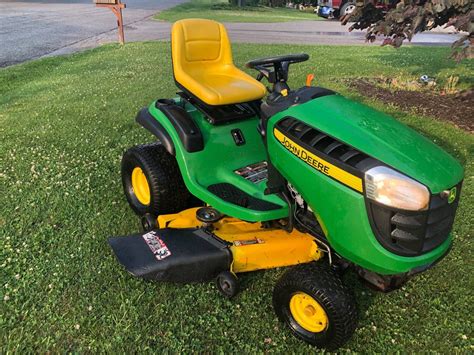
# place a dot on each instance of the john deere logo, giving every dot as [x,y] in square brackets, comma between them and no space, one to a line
[452,195]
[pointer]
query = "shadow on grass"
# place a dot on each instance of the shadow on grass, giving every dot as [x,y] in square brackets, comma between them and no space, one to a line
[363,294]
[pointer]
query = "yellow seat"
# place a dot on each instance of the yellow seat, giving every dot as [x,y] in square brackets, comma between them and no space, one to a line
[202,64]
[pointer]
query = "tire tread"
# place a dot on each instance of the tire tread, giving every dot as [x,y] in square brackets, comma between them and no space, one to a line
[326,285]
[169,193]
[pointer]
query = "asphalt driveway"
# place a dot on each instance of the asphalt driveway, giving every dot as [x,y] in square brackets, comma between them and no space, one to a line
[33,28]
[36,28]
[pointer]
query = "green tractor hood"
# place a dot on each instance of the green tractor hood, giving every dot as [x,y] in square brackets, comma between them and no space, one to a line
[381,137]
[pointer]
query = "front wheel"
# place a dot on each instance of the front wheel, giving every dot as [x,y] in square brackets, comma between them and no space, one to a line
[317,307]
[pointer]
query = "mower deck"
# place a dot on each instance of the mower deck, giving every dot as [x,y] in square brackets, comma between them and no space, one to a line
[180,250]
[252,246]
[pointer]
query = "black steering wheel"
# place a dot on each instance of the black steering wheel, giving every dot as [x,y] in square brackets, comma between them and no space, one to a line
[275,69]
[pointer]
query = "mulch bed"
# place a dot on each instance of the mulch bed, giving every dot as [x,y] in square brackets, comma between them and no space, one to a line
[458,108]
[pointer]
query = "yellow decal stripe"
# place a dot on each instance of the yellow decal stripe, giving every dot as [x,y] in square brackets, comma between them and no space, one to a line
[318,163]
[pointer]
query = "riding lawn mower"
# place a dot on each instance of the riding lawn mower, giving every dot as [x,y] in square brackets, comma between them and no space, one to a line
[243,177]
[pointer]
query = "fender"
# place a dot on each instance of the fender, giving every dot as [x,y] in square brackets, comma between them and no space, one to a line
[146,120]
[188,131]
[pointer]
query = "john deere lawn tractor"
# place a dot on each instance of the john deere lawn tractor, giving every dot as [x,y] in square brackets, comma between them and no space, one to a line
[243,177]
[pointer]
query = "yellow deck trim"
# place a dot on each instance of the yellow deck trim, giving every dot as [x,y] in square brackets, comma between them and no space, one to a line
[253,247]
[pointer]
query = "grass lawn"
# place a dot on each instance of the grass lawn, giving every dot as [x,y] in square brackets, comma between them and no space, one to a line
[65,123]
[221,11]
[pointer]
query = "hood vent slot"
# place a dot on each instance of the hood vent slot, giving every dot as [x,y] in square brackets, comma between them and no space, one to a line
[325,145]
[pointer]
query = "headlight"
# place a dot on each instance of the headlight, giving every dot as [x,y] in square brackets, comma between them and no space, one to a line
[393,189]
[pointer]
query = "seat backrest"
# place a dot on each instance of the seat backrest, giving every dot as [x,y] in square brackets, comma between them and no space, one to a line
[196,43]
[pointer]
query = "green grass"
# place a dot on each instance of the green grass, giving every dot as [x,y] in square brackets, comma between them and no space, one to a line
[64,124]
[221,11]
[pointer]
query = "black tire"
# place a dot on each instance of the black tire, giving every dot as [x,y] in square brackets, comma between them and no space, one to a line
[227,284]
[348,6]
[323,285]
[168,194]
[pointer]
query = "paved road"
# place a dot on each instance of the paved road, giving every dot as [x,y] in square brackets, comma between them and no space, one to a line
[32,28]
[35,28]
[301,32]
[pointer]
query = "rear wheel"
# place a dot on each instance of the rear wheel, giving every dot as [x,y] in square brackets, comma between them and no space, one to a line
[317,307]
[152,181]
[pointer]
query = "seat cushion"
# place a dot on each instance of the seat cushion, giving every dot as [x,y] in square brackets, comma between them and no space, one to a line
[202,64]
[225,87]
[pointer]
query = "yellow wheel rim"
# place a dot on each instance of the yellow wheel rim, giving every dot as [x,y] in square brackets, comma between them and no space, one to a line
[308,313]
[140,186]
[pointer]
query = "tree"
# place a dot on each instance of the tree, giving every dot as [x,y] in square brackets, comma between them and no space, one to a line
[412,16]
